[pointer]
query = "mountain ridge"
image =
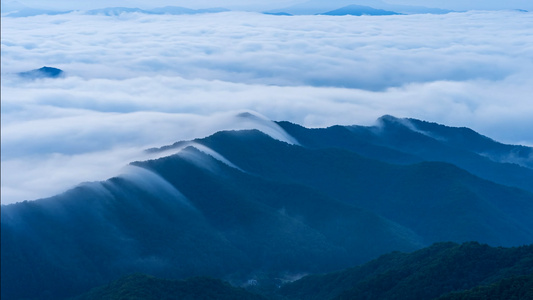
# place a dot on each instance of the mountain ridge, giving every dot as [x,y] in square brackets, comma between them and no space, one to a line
[399,141]
[240,202]
[313,7]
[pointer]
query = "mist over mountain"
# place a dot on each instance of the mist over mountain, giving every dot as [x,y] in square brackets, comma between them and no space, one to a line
[407,141]
[128,90]
[44,72]
[359,10]
[15,11]
[224,194]
[176,10]
[321,7]
[167,10]
[293,201]
[338,7]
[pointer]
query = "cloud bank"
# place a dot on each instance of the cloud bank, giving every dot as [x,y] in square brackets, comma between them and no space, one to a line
[137,81]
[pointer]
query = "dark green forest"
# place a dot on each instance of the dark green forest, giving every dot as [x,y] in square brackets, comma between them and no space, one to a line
[515,288]
[444,271]
[144,287]
[424,274]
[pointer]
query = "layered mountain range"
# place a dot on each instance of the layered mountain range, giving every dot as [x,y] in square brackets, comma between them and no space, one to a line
[312,7]
[285,201]
[23,11]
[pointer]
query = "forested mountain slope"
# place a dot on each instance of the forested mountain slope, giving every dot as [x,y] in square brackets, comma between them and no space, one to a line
[241,202]
[427,274]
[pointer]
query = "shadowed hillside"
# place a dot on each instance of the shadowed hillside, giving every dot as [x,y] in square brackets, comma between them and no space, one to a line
[427,274]
[406,141]
[441,271]
[147,287]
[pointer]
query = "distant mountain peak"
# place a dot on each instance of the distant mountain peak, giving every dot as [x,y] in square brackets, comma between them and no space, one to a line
[250,119]
[319,7]
[359,10]
[248,114]
[388,120]
[44,72]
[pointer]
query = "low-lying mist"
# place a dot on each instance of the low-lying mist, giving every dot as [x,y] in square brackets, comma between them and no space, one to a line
[136,81]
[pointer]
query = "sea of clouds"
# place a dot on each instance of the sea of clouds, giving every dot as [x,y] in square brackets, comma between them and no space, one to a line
[136,81]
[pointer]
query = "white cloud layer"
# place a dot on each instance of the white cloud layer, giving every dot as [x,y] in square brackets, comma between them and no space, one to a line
[136,81]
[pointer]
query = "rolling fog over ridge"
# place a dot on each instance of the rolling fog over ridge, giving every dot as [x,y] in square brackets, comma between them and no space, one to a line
[126,90]
[241,203]
[389,142]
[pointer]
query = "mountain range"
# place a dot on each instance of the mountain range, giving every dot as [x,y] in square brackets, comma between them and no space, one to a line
[337,7]
[167,10]
[282,202]
[114,11]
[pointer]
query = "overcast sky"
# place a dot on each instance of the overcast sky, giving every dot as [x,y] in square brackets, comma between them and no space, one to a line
[136,81]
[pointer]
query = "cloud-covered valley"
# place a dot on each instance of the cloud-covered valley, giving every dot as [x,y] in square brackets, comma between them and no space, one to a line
[136,81]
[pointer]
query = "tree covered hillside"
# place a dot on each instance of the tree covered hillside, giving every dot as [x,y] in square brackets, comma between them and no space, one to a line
[469,270]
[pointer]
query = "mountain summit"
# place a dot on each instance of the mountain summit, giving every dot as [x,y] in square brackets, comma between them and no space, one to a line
[312,7]
[359,10]
[44,72]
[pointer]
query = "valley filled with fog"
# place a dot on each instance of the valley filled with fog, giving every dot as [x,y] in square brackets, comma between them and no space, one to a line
[135,81]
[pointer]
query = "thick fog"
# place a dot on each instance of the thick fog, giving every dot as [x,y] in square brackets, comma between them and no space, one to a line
[136,81]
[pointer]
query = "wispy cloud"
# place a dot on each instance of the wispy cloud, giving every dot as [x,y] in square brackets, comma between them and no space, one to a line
[136,81]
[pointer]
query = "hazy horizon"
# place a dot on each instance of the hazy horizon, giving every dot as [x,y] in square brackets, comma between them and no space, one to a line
[260,5]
